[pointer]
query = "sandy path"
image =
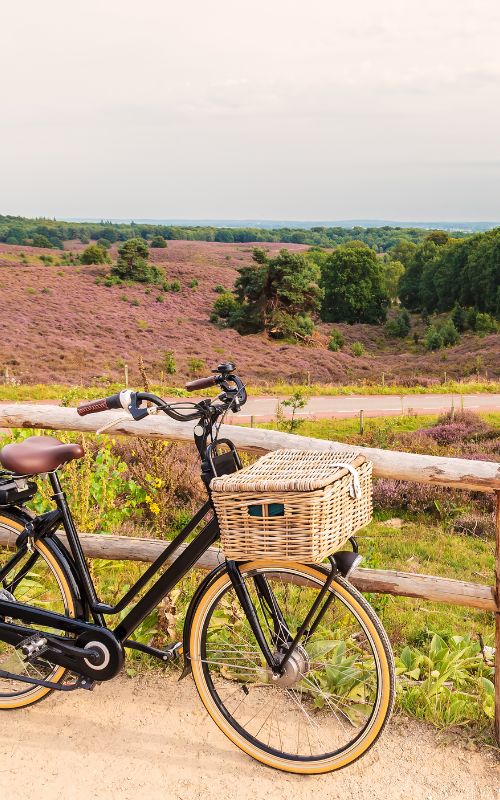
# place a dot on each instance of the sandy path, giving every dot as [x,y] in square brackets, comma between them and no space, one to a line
[151,738]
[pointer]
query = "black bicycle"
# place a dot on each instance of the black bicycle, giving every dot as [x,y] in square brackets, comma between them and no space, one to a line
[289,660]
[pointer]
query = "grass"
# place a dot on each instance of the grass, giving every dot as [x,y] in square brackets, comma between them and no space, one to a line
[340,429]
[74,393]
[431,550]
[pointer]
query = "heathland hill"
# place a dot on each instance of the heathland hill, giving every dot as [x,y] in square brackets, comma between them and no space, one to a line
[60,325]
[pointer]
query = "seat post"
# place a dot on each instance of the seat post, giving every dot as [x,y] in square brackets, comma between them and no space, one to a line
[74,542]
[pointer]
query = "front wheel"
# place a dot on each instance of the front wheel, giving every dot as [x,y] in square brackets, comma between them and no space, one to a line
[336,694]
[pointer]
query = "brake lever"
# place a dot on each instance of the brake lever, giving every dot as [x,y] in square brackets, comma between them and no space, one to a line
[134,409]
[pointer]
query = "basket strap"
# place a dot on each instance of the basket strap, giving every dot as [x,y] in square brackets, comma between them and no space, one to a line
[355,489]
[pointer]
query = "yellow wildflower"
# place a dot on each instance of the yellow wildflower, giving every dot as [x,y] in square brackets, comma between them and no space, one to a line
[154,508]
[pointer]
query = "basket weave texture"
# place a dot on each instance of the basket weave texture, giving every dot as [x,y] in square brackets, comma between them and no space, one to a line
[293,505]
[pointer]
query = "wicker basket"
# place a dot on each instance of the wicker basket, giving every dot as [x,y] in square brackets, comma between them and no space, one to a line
[293,505]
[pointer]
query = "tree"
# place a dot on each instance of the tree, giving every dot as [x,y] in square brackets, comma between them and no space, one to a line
[403,251]
[393,272]
[39,240]
[105,243]
[438,237]
[132,263]
[94,254]
[158,241]
[449,333]
[459,317]
[353,282]
[274,294]
[400,326]
[433,338]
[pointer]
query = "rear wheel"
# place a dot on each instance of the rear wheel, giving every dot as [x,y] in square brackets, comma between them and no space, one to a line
[337,691]
[37,579]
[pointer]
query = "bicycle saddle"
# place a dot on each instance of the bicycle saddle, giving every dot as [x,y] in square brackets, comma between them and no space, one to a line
[38,454]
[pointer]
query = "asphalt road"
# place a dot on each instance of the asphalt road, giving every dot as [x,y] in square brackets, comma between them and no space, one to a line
[264,408]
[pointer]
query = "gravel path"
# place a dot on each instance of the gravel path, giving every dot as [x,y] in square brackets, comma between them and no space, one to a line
[151,738]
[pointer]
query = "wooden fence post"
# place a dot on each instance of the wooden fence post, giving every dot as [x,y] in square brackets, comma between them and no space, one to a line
[361,421]
[497,621]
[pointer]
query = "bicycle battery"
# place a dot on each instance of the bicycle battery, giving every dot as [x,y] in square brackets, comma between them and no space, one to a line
[15,492]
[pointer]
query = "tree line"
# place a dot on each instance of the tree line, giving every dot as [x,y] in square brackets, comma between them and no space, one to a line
[441,273]
[52,233]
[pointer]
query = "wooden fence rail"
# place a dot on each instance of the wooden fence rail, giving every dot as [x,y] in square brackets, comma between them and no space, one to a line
[483,476]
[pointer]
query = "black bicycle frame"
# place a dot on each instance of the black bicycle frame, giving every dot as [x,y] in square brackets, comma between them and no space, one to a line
[46,525]
[175,572]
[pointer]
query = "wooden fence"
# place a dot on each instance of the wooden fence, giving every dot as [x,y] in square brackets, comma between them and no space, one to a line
[480,476]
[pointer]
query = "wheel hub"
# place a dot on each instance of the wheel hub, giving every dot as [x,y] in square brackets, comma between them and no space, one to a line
[295,668]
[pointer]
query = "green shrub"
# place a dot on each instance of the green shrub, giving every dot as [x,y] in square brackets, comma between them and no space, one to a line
[357,349]
[433,338]
[193,284]
[459,317]
[175,286]
[485,324]
[336,341]
[94,254]
[449,333]
[41,241]
[219,289]
[159,298]
[400,326]
[104,243]
[225,305]
[195,365]
[158,241]
[169,364]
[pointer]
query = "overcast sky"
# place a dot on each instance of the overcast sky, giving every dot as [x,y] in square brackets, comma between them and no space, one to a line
[272,109]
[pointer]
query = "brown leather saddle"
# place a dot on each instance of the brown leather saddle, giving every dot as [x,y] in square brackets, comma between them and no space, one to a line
[38,454]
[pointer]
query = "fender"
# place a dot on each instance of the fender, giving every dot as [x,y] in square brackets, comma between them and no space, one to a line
[22,516]
[202,588]
[58,550]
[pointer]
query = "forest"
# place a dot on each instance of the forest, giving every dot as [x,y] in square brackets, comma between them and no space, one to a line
[52,233]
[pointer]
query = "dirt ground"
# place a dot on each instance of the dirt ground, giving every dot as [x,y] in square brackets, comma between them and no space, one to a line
[151,738]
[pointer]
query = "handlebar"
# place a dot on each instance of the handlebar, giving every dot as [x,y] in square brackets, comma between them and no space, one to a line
[105,404]
[202,383]
[232,397]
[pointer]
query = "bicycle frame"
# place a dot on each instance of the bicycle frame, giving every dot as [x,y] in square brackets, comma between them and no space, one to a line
[172,575]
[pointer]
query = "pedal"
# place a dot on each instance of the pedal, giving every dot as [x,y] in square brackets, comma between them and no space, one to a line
[170,653]
[173,651]
[33,646]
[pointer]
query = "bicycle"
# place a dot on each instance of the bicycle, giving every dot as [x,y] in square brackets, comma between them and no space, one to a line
[290,660]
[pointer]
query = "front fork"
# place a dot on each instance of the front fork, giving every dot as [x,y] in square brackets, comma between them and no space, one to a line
[283,638]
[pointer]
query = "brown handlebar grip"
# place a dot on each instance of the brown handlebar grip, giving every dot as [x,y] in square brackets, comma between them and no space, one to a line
[201,383]
[93,407]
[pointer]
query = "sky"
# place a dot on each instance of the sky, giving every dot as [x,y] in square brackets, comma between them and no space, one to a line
[257,110]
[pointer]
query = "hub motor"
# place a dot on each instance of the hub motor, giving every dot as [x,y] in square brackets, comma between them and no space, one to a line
[295,670]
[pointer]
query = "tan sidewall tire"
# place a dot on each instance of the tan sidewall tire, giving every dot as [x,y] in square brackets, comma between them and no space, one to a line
[39,692]
[383,653]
